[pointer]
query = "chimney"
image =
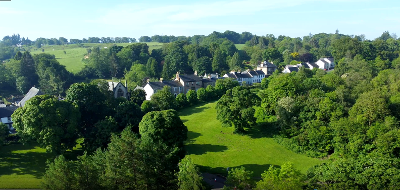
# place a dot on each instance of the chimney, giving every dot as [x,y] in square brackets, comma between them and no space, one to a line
[209,76]
[195,73]
[148,80]
[126,83]
[177,77]
[112,83]
[161,79]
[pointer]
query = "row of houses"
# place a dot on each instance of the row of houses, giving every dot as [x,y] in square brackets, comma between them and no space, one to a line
[323,63]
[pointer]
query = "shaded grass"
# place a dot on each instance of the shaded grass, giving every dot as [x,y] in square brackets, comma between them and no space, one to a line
[22,166]
[240,46]
[214,148]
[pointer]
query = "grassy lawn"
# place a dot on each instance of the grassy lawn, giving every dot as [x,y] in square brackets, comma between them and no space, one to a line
[240,46]
[214,148]
[22,166]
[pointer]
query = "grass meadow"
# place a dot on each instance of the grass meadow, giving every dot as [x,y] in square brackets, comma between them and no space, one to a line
[215,148]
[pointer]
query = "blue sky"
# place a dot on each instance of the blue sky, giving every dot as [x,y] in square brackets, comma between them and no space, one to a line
[123,18]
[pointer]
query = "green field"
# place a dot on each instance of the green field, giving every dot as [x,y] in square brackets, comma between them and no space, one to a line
[240,46]
[214,148]
[72,59]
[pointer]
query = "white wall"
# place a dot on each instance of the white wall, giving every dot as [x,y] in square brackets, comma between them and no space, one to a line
[149,91]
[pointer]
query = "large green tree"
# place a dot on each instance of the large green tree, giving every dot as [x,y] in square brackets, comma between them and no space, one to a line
[52,123]
[235,108]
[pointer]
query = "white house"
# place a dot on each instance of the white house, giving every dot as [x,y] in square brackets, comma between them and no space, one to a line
[326,63]
[267,67]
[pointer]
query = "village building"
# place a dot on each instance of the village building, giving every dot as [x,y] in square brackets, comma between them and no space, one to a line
[267,67]
[181,84]
[32,93]
[323,63]
[118,89]
[5,116]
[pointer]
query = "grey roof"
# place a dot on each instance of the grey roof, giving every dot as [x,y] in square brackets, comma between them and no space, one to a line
[7,111]
[291,69]
[253,73]
[314,65]
[190,78]
[260,72]
[305,65]
[209,80]
[267,64]
[231,75]
[32,92]
[244,75]
[330,59]
[160,85]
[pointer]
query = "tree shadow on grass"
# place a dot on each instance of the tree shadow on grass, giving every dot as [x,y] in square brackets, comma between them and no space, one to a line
[199,149]
[32,163]
[191,136]
[263,130]
[194,109]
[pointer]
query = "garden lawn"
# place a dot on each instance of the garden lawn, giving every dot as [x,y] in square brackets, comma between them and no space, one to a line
[214,148]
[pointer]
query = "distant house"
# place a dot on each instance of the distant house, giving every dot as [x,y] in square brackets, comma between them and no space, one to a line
[32,93]
[181,84]
[5,116]
[118,89]
[248,77]
[267,67]
[323,63]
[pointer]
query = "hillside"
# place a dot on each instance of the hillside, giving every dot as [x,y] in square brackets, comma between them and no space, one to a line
[214,148]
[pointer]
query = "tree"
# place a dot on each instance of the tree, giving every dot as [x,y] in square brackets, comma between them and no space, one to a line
[189,176]
[52,123]
[122,162]
[219,61]
[163,99]
[202,94]
[138,96]
[92,105]
[152,68]
[128,114]
[286,177]
[144,39]
[4,131]
[235,63]
[272,54]
[136,75]
[222,85]
[239,178]
[59,175]
[181,100]
[191,97]
[235,108]
[163,126]
[100,134]
[146,106]
[210,91]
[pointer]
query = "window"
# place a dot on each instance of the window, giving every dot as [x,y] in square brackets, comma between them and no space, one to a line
[180,89]
[197,83]
[175,95]
[120,93]
[192,83]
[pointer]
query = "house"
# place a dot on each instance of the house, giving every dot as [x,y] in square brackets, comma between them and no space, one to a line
[323,63]
[118,89]
[326,63]
[32,93]
[5,116]
[267,67]
[181,84]
[248,77]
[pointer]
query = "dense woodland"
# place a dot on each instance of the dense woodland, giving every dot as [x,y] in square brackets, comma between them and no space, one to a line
[349,116]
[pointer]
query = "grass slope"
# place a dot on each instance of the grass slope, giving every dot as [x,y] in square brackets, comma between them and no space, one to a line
[72,59]
[214,148]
